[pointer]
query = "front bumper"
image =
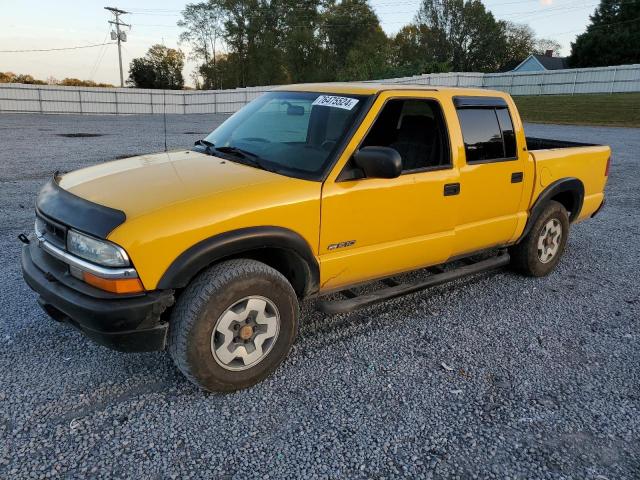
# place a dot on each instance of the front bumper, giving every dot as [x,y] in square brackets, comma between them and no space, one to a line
[126,323]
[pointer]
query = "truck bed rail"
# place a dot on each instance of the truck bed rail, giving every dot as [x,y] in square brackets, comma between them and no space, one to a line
[535,143]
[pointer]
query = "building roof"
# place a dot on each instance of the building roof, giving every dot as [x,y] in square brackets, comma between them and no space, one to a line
[553,63]
[546,62]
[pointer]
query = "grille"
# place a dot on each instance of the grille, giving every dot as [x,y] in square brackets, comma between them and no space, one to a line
[53,232]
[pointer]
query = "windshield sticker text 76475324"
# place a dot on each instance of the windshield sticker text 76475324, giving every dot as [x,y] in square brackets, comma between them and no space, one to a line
[345,103]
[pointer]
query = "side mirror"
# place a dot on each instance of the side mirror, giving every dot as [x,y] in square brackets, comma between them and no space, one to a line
[379,162]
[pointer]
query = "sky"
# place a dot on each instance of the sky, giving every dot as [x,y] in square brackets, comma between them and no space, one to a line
[30,24]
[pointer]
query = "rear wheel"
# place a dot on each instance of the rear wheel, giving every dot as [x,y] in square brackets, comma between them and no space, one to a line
[233,325]
[540,250]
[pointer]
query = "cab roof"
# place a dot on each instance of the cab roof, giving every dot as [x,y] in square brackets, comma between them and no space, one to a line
[366,88]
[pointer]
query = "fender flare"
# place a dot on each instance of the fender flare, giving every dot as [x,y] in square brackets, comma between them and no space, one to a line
[571,185]
[233,243]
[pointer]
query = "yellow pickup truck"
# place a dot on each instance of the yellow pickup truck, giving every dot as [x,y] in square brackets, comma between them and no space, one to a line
[308,190]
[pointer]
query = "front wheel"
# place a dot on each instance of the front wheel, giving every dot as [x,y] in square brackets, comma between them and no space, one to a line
[233,325]
[540,250]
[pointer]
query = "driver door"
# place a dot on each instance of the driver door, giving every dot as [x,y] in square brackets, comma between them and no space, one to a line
[377,227]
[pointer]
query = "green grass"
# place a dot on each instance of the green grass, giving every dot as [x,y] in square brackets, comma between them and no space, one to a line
[616,110]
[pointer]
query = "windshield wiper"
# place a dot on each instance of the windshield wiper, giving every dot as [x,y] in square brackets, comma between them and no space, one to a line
[251,158]
[206,144]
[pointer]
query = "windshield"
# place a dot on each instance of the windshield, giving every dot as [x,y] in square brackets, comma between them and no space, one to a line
[297,134]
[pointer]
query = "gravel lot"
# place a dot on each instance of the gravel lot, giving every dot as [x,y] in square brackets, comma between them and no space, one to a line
[543,379]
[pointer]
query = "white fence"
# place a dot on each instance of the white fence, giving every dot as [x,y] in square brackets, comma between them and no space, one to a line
[55,99]
[15,97]
[618,79]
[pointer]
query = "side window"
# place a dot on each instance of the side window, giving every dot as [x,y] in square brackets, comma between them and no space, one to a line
[507,132]
[488,134]
[416,129]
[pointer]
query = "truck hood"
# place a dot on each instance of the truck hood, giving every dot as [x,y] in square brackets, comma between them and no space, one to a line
[139,185]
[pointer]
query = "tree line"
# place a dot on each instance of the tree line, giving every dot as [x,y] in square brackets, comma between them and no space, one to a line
[239,43]
[10,77]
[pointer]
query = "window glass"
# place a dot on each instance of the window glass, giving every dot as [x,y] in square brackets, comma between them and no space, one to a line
[336,123]
[292,133]
[273,123]
[507,132]
[416,129]
[481,132]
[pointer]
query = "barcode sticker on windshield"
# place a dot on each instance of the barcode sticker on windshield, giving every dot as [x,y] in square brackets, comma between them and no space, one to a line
[345,103]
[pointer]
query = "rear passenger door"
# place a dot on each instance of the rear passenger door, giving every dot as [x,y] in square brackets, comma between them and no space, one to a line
[491,177]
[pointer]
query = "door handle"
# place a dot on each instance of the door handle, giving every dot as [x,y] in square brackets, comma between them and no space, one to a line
[516,177]
[451,189]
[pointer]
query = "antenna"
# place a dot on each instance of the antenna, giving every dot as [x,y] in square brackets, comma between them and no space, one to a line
[164,116]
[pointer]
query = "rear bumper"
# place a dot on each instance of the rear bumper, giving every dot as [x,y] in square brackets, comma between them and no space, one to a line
[131,324]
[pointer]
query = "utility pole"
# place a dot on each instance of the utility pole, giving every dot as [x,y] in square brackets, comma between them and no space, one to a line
[118,35]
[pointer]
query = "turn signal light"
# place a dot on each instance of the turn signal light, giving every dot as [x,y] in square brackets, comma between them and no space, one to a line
[606,170]
[118,285]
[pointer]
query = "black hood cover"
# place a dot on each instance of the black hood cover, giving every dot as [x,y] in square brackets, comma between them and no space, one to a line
[76,212]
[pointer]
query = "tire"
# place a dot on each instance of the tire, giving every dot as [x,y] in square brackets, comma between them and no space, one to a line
[203,323]
[527,257]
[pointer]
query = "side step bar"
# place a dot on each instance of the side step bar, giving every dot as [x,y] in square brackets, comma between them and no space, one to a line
[355,301]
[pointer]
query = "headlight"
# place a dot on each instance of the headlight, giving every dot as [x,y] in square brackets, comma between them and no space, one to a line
[96,251]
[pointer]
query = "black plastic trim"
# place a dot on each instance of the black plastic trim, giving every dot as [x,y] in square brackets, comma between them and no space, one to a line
[353,302]
[479,102]
[451,189]
[126,324]
[537,143]
[379,162]
[571,185]
[81,214]
[236,242]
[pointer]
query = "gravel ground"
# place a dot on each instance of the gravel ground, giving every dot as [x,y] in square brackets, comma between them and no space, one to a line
[498,376]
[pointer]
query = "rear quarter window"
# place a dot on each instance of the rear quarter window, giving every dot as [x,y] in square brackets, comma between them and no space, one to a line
[488,133]
[481,133]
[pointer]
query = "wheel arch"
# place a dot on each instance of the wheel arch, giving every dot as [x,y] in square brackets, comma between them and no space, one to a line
[280,248]
[567,191]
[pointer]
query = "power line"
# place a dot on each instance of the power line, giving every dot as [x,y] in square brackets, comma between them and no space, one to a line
[603,25]
[101,53]
[57,49]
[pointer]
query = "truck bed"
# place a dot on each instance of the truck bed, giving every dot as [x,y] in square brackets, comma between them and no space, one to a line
[535,143]
[557,159]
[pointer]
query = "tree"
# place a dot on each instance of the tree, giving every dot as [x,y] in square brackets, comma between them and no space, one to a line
[409,55]
[7,77]
[520,42]
[76,82]
[612,38]
[301,46]
[161,67]
[356,47]
[463,34]
[10,77]
[544,44]
[203,29]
